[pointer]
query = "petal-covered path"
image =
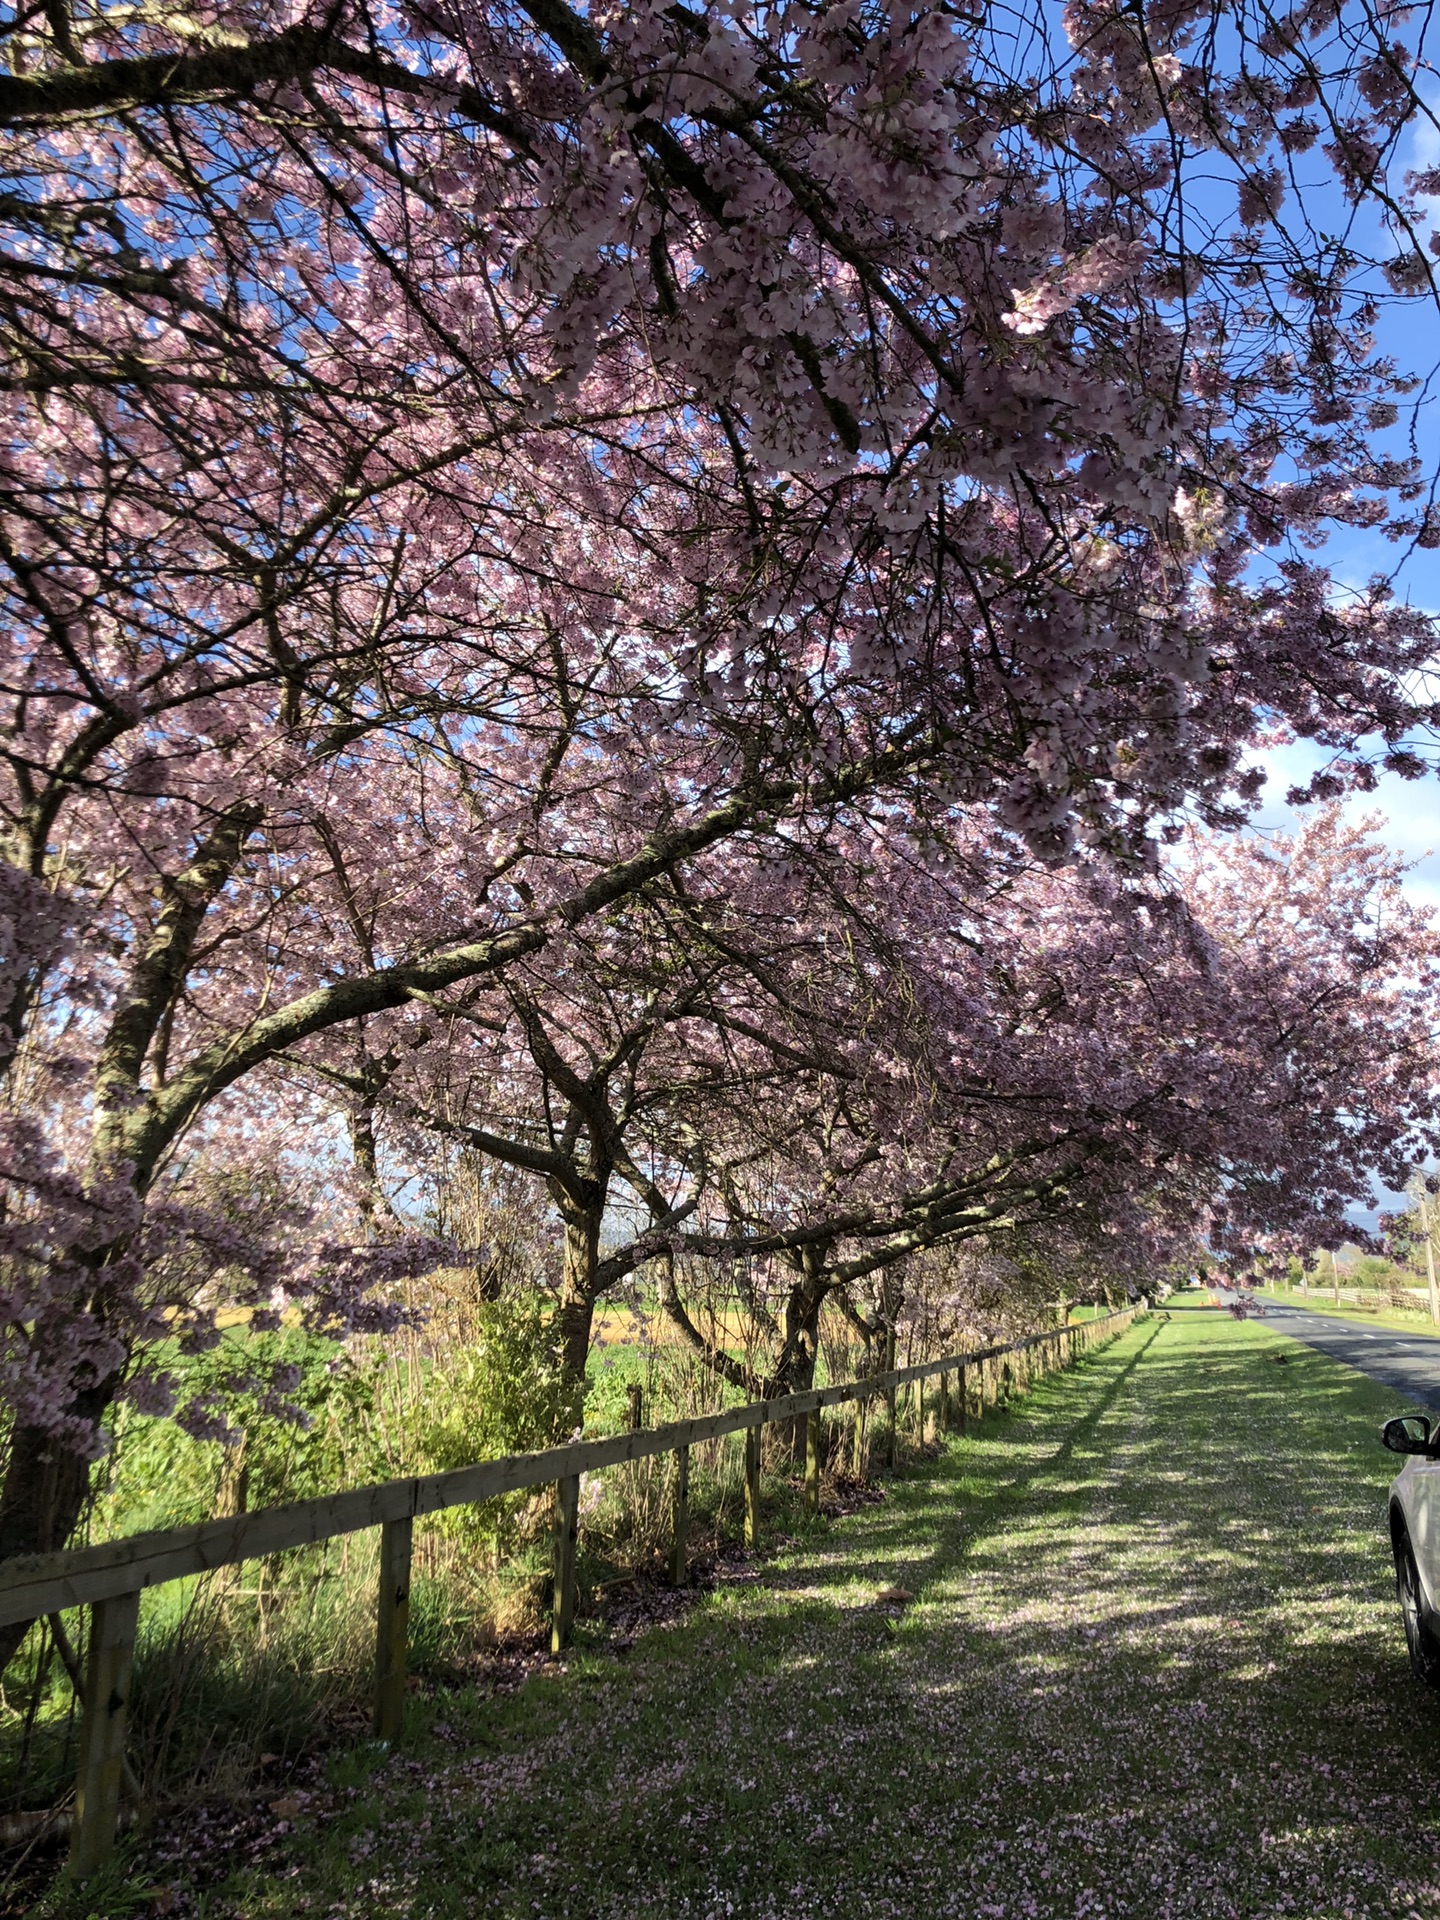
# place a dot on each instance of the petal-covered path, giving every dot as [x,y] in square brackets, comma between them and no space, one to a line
[1153,1668]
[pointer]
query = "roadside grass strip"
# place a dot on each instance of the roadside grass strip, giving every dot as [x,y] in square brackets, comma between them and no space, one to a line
[1153,1667]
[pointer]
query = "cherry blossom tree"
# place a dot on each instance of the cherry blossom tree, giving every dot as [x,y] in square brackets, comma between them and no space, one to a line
[1229,1058]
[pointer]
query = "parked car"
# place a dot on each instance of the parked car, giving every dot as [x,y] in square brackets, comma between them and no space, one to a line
[1415,1537]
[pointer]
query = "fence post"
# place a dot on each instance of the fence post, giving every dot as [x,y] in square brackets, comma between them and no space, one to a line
[962,1397]
[813,1438]
[567,1527]
[752,1485]
[682,1516]
[392,1627]
[891,1397]
[944,1415]
[108,1661]
[635,1395]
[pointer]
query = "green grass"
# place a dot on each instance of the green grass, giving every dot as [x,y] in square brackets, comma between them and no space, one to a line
[1154,1669]
[1399,1319]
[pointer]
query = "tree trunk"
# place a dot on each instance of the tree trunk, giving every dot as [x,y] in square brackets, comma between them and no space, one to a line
[46,1485]
[375,1207]
[795,1368]
[718,1361]
[576,1315]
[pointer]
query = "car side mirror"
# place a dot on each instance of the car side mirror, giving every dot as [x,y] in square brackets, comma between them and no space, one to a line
[1407,1433]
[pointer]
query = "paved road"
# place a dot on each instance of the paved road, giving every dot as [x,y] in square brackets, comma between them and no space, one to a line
[1409,1362]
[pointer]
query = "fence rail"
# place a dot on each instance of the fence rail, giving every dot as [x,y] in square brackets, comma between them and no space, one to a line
[109,1578]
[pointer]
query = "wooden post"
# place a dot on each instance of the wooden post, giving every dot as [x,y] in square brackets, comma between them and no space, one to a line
[944,1413]
[108,1661]
[890,1397]
[392,1628]
[857,1462]
[752,1486]
[962,1397]
[813,1437]
[682,1517]
[635,1393]
[567,1528]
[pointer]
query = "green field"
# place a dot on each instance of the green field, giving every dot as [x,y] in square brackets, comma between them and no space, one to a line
[1154,1667]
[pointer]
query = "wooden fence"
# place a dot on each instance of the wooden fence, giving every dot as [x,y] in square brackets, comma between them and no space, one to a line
[109,1578]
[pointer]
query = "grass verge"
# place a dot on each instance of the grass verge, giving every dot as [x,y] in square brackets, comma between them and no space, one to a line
[1153,1667]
